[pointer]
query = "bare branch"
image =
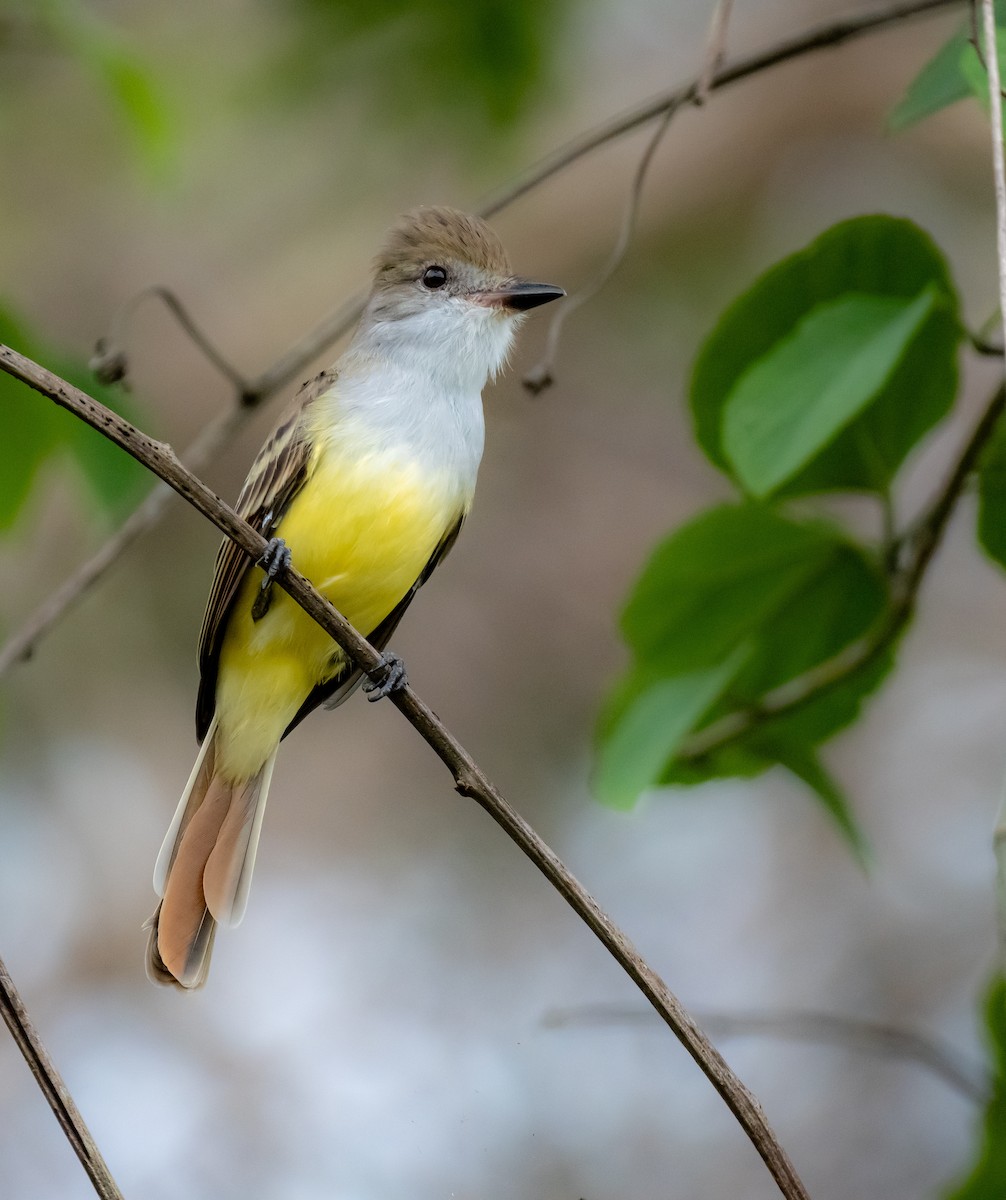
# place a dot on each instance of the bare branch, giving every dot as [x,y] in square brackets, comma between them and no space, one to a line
[711,76]
[21,644]
[999,173]
[822,37]
[716,46]
[541,376]
[50,1081]
[469,778]
[816,1028]
[109,363]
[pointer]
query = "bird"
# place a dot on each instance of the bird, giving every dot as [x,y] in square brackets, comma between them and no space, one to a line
[363,485]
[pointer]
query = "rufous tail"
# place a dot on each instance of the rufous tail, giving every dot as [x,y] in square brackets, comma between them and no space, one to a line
[204,869]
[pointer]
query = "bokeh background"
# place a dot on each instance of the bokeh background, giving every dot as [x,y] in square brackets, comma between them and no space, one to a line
[382,1025]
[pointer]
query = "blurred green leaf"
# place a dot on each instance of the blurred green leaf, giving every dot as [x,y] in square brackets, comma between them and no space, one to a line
[954,73]
[941,82]
[722,577]
[789,740]
[987,1180]
[30,433]
[116,481]
[38,430]
[650,728]
[794,400]
[992,496]
[107,56]
[462,70]
[820,718]
[728,608]
[877,256]
[806,766]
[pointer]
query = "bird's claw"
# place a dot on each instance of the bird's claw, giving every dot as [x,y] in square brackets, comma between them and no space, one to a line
[275,558]
[391,677]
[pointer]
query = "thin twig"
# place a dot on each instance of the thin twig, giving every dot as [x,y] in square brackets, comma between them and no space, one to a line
[852,1033]
[999,173]
[918,549]
[716,47]
[541,375]
[821,37]
[469,779]
[21,644]
[24,1033]
[711,77]
[109,362]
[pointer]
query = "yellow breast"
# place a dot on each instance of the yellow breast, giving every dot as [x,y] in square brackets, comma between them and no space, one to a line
[361,529]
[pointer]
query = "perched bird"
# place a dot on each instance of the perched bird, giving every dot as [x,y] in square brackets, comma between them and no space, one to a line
[364,485]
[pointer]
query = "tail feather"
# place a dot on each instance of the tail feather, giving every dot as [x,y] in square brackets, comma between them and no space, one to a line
[228,874]
[204,868]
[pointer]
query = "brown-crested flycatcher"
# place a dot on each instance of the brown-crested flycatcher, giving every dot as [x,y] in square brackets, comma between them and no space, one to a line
[365,483]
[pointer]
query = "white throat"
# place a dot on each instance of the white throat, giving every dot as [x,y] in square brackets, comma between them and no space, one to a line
[410,385]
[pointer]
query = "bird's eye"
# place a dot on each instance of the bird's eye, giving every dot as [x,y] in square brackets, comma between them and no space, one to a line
[434,277]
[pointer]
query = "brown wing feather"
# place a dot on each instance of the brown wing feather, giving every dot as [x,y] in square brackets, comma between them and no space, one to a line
[276,476]
[340,687]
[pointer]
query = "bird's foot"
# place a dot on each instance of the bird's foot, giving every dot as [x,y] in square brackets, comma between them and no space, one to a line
[275,558]
[390,675]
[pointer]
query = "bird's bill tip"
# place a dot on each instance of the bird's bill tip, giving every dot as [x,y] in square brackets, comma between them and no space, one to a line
[520,295]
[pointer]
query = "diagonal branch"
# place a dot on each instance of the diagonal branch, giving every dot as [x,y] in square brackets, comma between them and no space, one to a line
[469,779]
[21,644]
[23,1031]
[215,435]
[821,37]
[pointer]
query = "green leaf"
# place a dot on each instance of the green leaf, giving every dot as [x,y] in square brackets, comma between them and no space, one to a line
[116,480]
[387,55]
[37,430]
[744,587]
[789,740]
[29,433]
[828,712]
[953,74]
[987,1180]
[794,400]
[941,82]
[110,60]
[876,256]
[646,735]
[806,766]
[723,577]
[992,496]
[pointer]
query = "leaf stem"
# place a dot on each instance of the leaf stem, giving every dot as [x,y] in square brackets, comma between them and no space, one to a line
[907,571]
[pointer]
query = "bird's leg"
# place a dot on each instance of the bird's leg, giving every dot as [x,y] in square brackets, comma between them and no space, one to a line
[275,558]
[391,677]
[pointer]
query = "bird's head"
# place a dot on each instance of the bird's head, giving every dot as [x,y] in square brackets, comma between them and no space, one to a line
[443,288]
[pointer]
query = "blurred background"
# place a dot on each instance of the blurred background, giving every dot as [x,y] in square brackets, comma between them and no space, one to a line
[382,1024]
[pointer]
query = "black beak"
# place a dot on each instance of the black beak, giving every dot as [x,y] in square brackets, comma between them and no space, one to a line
[520,295]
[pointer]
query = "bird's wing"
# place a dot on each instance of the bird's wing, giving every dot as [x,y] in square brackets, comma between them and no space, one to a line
[276,476]
[344,683]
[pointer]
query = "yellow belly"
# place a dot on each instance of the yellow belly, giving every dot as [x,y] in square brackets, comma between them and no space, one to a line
[362,532]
